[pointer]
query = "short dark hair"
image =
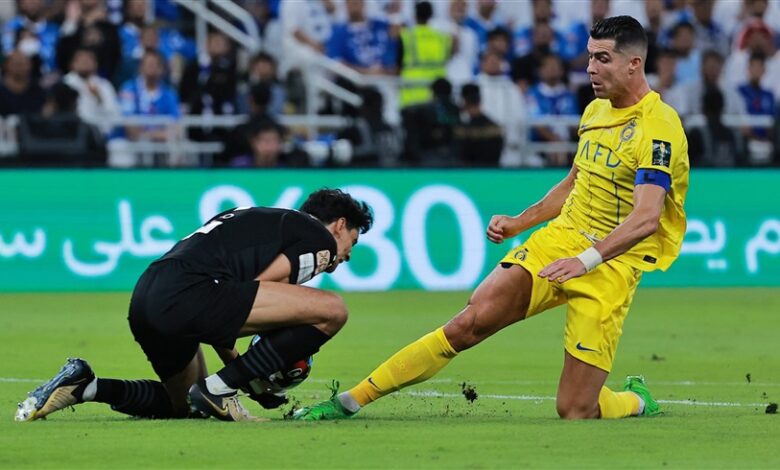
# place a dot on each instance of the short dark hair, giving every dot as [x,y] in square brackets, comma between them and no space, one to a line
[64,98]
[625,30]
[423,11]
[471,94]
[712,102]
[442,88]
[329,205]
[757,56]
[499,31]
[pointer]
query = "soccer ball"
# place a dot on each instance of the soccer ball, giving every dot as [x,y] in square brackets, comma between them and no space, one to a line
[281,381]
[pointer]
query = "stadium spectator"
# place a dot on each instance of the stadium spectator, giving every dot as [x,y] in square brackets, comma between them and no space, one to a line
[429,128]
[487,19]
[654,30]
[551,97]
[525,39]
[374,142]
[262,70]
[137,34]
[209,83]
[713,144]
[479,139]
[504,103]
[460,68]
[45,33]
[500,41]
[28,44]
[237,142]
[757,38]
[423,52]
[665,81]
[266,144]
[306,28]
[525,69]
[86,25]
[693,92]
[759,101]
[149,95]
[682,40]
[58,136]
[97,103]
[710,35]
[577,34]
[19,93]
[362,43]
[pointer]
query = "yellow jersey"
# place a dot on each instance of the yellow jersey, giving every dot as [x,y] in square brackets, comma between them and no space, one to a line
[614,144]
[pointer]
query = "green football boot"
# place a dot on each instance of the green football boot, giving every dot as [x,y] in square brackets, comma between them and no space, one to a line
[324,410]
[636,384]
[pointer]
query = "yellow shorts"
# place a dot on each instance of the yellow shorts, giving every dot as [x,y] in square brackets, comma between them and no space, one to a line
[598,302]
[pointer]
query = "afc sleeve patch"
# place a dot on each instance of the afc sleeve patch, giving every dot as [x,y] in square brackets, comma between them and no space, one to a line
[662,153]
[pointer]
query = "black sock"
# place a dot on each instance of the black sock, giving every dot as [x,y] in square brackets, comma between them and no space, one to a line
[144,398]
[278,349]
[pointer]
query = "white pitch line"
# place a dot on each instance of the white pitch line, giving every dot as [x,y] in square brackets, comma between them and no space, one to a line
[432,393]
[681,383]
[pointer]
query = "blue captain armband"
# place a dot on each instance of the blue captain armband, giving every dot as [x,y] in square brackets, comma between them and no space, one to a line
[656,177]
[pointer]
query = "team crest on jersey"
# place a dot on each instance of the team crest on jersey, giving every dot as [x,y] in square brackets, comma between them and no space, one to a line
[628,131]
[521,254]
[323,261]
[662,153]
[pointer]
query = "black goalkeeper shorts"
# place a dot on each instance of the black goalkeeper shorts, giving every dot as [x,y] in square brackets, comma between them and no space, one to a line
[175,308]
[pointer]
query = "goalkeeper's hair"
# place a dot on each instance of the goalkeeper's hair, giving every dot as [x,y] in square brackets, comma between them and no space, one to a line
[329,205]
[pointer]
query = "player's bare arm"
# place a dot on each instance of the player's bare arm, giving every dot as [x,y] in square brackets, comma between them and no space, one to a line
[640,224]
[226,355]
[502,227]
[278,271]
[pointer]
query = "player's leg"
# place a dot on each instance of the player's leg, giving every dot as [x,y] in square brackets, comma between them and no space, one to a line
[295,321]
[500,300]
[76,383]
[598,305]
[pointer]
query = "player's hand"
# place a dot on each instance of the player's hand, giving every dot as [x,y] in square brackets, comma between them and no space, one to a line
[502,227]
[563,269]
[268,401]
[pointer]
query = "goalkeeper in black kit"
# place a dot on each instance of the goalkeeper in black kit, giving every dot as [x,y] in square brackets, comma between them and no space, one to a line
[237,275]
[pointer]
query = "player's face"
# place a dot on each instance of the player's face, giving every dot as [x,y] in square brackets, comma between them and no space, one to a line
[346,238]
[608,68]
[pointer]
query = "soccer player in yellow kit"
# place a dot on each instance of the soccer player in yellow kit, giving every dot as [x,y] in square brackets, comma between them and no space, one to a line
[618,213]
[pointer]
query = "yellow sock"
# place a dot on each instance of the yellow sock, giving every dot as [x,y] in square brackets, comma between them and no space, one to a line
[415,363]
[617,404]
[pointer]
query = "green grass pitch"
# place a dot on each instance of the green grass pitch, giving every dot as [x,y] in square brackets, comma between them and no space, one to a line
[697,348]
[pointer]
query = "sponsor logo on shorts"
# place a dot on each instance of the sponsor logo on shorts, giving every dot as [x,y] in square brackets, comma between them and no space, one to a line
[583,348]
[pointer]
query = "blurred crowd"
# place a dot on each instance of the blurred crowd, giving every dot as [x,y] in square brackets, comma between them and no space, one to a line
[477,82]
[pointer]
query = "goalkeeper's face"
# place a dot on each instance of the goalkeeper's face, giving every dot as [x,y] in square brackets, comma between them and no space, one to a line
[346,238]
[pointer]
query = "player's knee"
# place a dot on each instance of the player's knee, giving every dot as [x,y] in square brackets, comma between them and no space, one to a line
[336,314]
[576,409]
[464,331]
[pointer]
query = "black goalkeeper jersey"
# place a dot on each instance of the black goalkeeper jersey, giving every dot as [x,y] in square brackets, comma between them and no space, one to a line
[241,243]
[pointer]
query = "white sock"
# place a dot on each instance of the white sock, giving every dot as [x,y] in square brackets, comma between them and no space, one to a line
[641,405]
[90,391]
[215,385]
[348,402]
